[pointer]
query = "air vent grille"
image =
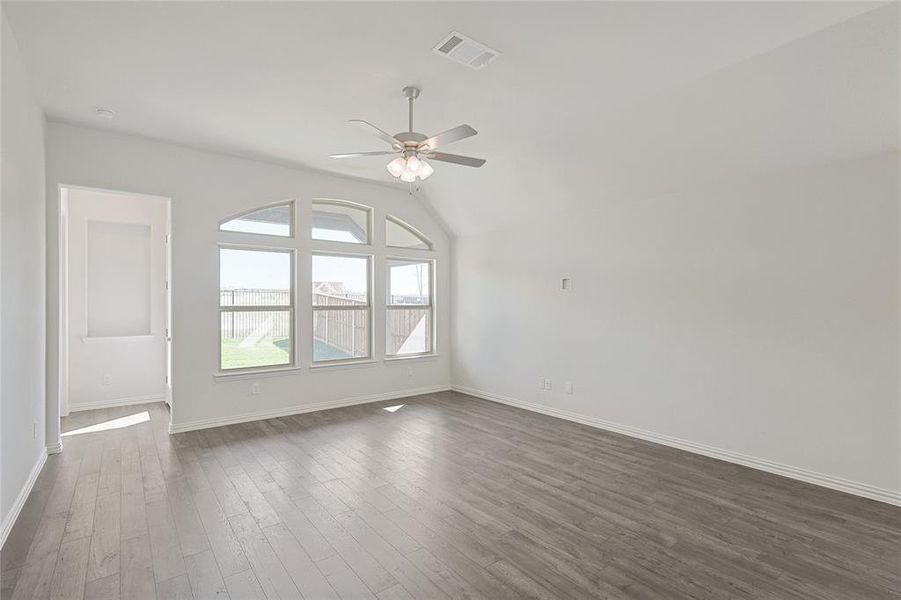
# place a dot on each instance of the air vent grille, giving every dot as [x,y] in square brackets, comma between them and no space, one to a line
[449,45]
[466,51]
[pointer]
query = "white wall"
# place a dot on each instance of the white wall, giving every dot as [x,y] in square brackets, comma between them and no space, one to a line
[205,188]
[117,298]
[22,317]
[759,317]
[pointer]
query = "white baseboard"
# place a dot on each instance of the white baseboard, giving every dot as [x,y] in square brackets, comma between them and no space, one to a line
[299,409]
[16,508]
[761,464]
[55,448]
[117,402]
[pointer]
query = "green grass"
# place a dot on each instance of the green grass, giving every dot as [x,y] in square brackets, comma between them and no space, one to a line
[271,353]
[264,354]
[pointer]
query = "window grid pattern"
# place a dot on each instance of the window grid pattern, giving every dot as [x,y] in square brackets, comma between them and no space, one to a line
[409,311]
[341,318]
[256,324]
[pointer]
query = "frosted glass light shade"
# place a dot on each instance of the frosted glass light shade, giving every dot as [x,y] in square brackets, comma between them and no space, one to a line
[397,166]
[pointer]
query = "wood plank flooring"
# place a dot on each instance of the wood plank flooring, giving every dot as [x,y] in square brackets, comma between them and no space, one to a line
[448,497]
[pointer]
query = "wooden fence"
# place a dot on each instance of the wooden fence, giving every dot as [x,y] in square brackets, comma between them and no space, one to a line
[242,324]
[345,331]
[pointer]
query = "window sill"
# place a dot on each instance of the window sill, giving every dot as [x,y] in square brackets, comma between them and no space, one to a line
[255,373]
[402,358]
[368,362]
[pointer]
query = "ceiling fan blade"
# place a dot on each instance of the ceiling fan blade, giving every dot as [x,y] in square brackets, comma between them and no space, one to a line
[466,161]
[356,154]
[456,134]
[378,132]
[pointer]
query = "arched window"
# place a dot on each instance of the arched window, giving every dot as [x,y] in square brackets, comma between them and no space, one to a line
[276,219]
[401,235]
[340,221]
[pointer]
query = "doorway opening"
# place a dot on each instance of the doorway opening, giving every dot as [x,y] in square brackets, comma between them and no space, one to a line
[115,333]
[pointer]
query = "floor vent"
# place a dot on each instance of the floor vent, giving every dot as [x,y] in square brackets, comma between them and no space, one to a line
[465,51]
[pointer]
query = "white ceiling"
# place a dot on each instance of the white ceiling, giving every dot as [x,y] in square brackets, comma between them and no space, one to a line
[589,102]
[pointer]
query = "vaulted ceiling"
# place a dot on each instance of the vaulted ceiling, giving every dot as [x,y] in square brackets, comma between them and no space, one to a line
[590,102]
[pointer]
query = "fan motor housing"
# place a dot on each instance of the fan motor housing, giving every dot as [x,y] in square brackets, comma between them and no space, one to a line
[410,136]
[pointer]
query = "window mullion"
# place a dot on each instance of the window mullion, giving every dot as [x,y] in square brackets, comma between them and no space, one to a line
[255,307]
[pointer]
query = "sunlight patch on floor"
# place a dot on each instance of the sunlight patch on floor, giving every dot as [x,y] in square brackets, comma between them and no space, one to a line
[393,408]
[119,423]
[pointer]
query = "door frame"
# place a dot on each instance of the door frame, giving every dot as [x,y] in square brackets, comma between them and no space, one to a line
[62,400]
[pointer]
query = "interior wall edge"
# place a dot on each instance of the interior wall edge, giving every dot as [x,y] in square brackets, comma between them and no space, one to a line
[10,519]
[806,475]
[304,408]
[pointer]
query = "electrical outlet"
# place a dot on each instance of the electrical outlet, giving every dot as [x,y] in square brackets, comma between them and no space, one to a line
[254,388]
[542,383]
[568,387]
[547,384]
[107,379]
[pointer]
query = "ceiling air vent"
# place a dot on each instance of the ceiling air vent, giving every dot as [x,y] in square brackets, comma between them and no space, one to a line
[465,51]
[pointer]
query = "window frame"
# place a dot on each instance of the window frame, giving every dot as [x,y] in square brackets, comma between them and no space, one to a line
[430,246]
[431,262]
[370,258]
[367,210]
[292,223]
[291,307]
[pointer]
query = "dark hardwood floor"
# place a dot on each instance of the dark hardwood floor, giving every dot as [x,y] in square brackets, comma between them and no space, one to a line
[447,497]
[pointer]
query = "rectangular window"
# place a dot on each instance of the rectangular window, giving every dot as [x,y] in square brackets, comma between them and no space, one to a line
[341,307]
[410,313]
[256,308]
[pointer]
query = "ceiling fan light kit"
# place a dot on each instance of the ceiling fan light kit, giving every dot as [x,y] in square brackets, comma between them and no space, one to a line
[414,148]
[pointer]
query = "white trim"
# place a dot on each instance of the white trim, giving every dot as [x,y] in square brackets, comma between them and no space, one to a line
[305,408]
[55,448]
[416,233]
[342,362]
[86,188]
[254,373]
[391,358]
[117,402]
[16,508]
[761,464]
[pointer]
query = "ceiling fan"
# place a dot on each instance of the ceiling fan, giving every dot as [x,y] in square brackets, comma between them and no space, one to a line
[414,148]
